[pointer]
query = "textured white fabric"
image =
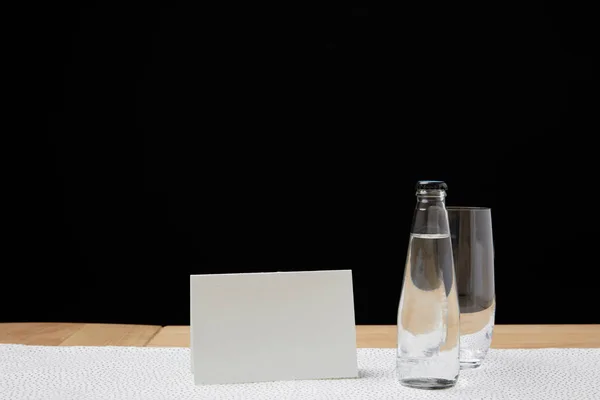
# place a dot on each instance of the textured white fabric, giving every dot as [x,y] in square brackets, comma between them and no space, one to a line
[82,373]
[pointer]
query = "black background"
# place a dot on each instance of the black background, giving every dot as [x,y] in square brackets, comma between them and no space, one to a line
[180,140]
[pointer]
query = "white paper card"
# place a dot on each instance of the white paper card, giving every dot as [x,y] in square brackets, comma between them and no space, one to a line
[260,327]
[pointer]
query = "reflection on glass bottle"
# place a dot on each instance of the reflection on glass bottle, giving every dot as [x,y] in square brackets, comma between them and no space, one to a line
[428,314]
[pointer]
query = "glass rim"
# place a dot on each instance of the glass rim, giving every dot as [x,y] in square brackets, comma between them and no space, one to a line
[467,208]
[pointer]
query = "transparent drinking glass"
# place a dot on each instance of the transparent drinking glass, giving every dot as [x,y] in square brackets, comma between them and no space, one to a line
[473,252]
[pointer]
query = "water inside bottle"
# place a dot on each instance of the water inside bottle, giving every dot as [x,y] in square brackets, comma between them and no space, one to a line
[428,320]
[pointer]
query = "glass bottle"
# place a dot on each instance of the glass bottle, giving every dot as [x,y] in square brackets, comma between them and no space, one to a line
[428,313]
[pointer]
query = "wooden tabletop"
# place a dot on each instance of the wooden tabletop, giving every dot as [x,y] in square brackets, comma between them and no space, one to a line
[79,334]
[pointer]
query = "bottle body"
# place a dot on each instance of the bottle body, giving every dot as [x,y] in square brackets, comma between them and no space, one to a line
[428,313]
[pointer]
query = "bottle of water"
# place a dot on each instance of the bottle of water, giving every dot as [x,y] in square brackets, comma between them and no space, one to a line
[428,314]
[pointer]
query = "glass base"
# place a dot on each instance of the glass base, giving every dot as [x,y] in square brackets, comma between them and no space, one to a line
[470,364]
[428,383]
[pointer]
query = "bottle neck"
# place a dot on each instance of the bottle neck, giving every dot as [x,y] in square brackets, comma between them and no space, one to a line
[430,216]
[431,195]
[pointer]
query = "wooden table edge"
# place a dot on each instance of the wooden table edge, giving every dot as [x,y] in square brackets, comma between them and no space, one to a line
[378,336]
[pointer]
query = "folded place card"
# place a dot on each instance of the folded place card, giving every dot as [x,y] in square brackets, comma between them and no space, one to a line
[260,327]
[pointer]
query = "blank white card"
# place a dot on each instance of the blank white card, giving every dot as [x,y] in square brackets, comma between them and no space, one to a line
[272,326]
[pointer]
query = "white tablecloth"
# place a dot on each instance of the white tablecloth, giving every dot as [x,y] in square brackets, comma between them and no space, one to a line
[81,373]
